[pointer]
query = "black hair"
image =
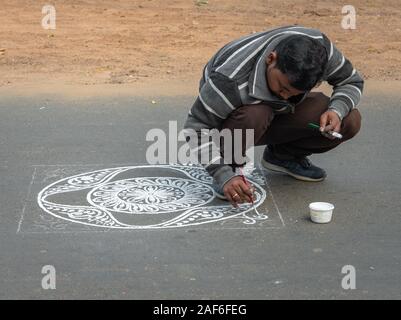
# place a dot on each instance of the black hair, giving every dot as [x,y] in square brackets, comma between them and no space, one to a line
[303,60]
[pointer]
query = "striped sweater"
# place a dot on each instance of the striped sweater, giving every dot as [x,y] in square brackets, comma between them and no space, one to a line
[235,76]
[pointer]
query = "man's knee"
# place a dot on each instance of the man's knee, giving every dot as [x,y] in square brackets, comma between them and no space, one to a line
[319,98]
[315,102]
[352,124]
[256,117]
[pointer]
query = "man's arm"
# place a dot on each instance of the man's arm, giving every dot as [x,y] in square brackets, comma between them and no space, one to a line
[218,97]
[346,81]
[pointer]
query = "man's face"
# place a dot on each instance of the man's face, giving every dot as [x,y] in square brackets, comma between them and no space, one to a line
[277,81]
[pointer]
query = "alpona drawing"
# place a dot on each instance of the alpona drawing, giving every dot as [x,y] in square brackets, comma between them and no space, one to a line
[181,195]
[150,195]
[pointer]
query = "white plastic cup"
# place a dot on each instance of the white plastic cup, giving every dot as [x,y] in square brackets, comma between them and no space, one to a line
[321,212]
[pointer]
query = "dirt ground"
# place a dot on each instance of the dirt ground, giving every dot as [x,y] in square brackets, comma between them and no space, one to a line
[125,41]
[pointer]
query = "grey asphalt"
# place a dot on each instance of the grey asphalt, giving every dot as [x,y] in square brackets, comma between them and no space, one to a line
[47,138]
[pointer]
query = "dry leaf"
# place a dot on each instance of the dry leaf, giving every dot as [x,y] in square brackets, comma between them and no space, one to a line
[201,2]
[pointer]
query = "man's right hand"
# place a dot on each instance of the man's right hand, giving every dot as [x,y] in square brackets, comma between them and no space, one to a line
[237,191]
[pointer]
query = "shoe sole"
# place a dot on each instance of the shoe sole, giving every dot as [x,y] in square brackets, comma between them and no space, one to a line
[275,168]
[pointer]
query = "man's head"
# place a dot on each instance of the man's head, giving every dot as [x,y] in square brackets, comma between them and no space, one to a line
[295,66]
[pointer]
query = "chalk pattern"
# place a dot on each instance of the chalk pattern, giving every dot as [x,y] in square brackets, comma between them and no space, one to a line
[190,200]
[150,195]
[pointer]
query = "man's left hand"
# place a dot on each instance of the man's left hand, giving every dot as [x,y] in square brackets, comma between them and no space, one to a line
[329,121]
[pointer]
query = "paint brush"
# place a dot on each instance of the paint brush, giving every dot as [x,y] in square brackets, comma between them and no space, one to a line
[246,182]
[332,133]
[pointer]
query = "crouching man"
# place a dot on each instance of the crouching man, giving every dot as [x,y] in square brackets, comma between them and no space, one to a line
[263,82]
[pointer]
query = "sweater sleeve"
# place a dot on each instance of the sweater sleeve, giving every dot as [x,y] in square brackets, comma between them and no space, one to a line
[218,97]
[346,81]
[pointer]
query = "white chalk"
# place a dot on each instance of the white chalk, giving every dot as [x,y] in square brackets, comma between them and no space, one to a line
[321,212]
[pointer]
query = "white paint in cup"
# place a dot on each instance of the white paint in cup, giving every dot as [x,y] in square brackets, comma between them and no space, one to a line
[321,212]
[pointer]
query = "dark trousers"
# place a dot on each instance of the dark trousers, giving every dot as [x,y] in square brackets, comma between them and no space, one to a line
[289,134]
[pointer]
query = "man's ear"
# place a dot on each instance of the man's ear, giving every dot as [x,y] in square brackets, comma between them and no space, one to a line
[271,58]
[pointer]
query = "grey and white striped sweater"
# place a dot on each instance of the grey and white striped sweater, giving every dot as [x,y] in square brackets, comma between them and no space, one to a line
[235,76]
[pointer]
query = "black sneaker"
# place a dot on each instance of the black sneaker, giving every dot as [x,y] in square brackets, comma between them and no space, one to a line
[299,168]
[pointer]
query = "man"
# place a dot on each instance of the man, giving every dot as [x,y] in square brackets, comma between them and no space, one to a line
[263,82]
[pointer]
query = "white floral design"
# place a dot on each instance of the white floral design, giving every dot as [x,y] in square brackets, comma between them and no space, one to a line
[150,195]
[189,199]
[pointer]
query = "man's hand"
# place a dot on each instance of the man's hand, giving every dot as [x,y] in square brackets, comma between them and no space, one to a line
[329,121]
[237,191]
